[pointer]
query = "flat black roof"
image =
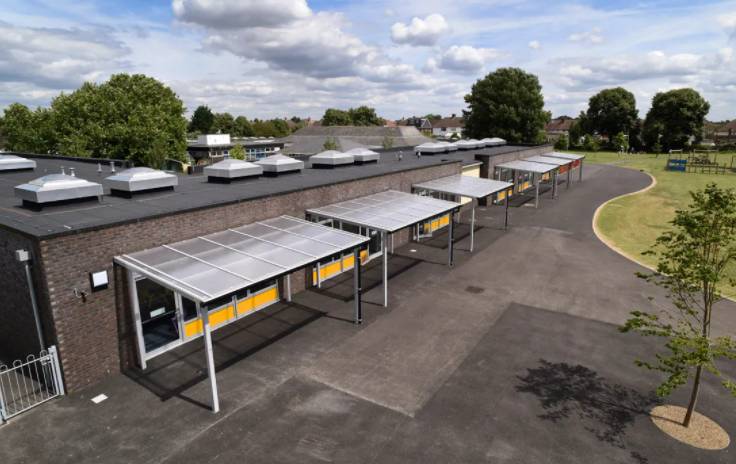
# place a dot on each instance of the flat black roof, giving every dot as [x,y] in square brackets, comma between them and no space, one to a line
[192,193]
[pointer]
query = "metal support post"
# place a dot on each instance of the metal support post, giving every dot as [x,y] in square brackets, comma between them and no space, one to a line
[384,244]
[287,284]
[569,172]
[34,304]
[357,289]
[472,224]
[450,245]
[3,412]
[203,314]
[554,184]
[580,174]
[506,219]
[57,370]
[133,296]
[536,195]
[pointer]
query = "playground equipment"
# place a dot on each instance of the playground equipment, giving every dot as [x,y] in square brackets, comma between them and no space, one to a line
[703,161]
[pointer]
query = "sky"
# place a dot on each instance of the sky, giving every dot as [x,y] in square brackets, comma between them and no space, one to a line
[283,58]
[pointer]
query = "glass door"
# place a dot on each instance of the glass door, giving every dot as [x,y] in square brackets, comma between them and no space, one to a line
[159,322]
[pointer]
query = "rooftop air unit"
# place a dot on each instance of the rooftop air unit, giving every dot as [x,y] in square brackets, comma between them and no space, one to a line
[232,169]
[330,159]
[279,164]
[467,144]
[449,146]
[136,180]
[495,141]
[53,188]
[15,163]
[364,155]
[429,148]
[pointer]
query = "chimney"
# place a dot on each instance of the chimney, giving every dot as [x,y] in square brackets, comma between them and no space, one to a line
[112,166]
[71,172]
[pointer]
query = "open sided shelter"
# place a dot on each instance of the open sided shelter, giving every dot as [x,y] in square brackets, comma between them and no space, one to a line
[524,175]
[458,186]
[382,214]
[577,161]
[184,290]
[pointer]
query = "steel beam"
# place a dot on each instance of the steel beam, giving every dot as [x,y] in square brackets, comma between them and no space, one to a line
[357,285]
[133,296]
[384,245]
[204,315]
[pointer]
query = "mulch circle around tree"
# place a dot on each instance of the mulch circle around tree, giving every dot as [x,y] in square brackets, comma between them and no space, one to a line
[702,433]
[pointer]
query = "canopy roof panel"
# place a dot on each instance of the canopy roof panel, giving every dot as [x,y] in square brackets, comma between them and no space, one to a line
[208,267]
[568,156]
[387,211]
[527,166]
[472,187]
[548,160]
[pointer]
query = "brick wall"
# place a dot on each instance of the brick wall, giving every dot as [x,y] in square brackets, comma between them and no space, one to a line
[95,336]
[18,336]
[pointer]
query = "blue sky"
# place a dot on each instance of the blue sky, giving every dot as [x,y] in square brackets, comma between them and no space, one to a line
[278,58]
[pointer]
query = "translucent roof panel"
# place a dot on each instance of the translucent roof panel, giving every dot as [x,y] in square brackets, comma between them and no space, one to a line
[466,186]
[569,156]
[216,265]
[548,160]
[387,211]
[527,166]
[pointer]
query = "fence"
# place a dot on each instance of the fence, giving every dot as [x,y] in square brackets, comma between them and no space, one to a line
[28,383]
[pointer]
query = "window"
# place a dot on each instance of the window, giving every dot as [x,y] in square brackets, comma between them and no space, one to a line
[158,314]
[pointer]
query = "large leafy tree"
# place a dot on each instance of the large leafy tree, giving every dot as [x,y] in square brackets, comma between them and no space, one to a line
[507,103]
[223,123]
[131,117]
[243,127]
[335,117]
[611,111]
[364,116]
[675,118]
[29,131]
[692,264]
[202,120]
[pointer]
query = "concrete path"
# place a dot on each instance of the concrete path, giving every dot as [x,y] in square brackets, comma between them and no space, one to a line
[511,356]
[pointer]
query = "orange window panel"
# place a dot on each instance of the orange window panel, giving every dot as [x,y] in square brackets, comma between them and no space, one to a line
[266,297]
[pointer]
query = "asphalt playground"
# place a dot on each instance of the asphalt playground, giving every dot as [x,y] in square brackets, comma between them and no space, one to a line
[511,356]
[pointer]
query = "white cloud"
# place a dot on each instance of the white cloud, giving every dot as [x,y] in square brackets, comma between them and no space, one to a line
[241,13]
[57,58]
[592,37]
[420,32]
[534,45]
[728,22]
[464,58]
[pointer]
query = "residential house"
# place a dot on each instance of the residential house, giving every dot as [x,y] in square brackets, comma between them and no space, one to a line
[558,127]
[448,127]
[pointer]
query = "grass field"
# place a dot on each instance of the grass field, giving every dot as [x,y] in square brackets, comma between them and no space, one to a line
[633,223]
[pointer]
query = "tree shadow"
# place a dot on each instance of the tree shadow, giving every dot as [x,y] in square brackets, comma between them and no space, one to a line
[605,409]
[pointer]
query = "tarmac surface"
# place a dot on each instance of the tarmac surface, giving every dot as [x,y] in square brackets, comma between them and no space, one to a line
[511,356]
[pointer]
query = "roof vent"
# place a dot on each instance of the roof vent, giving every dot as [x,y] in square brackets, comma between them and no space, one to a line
[231,169]
[15,163]
[364,155]
[135,180]
[429,148]
[279,164]
[495,141]
[448,146]
[330,159]
[469,144]
[55,188]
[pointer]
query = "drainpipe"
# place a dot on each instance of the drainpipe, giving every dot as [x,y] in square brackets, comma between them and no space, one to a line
[24,257]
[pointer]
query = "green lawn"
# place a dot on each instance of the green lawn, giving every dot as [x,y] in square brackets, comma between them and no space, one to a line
[634,222]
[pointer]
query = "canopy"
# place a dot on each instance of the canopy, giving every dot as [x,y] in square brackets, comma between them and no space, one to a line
[466,186]
[387,211]
[549,160]
[527,166]
[208,267]
[567,156]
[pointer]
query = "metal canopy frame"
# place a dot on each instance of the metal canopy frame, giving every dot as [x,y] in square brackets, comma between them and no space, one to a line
[559,162]
[536,169]
[389,212]
[474,188]
[569,156]
[216,265]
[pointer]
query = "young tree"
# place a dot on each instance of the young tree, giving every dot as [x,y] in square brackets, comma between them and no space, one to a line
[507,103]
[330,144]
[590,143]
[562,143]
[611,111]
[692,263]
[620,142]
[202,120]
[675,118]
[387,143]
[237,152]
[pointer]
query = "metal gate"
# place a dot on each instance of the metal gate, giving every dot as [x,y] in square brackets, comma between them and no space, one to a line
[28,383]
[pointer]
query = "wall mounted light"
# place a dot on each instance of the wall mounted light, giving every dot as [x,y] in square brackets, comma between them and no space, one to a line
[98,280]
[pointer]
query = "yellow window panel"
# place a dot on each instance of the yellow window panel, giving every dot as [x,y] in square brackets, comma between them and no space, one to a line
[266,297]
[363,256]
[444,220]
[221,316]
[245,305]
[347,262]
[193,328]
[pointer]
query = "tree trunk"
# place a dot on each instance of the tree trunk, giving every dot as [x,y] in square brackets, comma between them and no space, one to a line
[693,397]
